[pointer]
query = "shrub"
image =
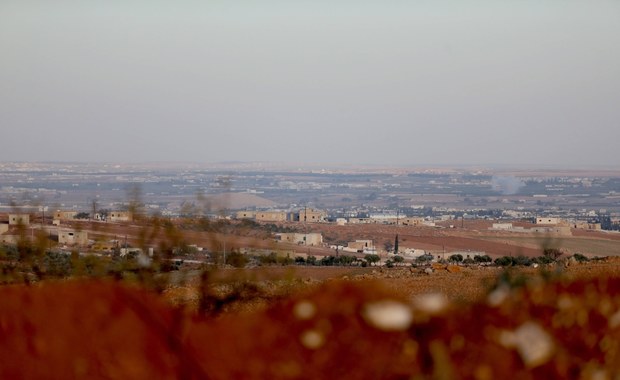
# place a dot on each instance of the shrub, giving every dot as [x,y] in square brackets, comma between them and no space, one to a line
[580,258]
[503,261]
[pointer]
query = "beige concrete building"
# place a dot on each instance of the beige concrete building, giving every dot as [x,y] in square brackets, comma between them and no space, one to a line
[360,246]
[310,239]
[64,215]
[312,216]
[4,228]
[120,216]
[411,221]
[502,226]
[586,226]
[563,230]
[15,219]
[245,215]
[271,216]
[72,237]
[548,221]
[8,239]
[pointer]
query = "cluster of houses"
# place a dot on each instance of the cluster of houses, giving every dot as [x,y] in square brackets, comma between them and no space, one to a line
[11,230]
[549,225]
[307,215]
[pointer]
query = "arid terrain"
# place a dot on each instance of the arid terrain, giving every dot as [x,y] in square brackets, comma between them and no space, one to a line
[186,316]
[364,323]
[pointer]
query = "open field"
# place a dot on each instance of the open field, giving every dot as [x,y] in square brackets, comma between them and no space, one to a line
[465,285]
[587,246]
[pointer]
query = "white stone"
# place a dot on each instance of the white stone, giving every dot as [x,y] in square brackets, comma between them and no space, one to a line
[312,339]
[431,303]
[304,310]
[388,315]
[535,345]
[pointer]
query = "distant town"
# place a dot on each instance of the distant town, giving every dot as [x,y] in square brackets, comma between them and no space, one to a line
[303,202]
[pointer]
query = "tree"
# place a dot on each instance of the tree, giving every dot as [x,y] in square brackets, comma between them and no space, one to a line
[427,257]
[82,215]
[311,260]
[552,253]
[522,260]
[372,258]
[398,259]
[482,259]
[580,258]
[456,258]
[236,259]
[285,260]
[396,245]
[504,261]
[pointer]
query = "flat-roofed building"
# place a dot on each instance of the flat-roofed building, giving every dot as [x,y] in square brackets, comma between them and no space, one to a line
[411,221]
[309,215]
[360,246]
[72,237]
[120,216]
[310,239]
[555,230]
[548,221]
[245,215]
[271,216]
[64,215]
[15,219]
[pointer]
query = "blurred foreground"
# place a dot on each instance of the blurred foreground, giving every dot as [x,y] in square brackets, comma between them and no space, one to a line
[525,327]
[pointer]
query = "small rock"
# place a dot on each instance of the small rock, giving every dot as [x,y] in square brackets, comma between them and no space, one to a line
[533,343]
[388,315]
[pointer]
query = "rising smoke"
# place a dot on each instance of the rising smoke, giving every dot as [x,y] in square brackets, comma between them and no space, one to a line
[507,185]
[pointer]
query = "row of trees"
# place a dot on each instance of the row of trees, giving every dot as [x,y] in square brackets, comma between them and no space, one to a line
[528,261]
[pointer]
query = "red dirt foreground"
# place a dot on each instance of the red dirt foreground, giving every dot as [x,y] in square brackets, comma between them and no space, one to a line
[352,330]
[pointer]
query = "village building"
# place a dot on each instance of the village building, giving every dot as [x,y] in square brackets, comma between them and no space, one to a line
[72,237]
[64,215]
[120,216]
[15,219]
[309,215]
[411,221]
[310,239]
[558,230]
[360,246]
[586,226]
[245,215]
[502,226]
[548,221]
[271,216]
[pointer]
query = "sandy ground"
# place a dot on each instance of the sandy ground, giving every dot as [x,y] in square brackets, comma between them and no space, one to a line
[462,285]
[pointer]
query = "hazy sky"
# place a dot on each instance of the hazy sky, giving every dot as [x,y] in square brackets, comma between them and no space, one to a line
[379,82]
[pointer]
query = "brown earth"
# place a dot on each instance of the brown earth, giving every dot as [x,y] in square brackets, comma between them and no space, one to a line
[378,324]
